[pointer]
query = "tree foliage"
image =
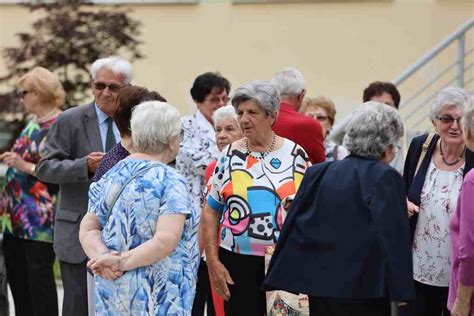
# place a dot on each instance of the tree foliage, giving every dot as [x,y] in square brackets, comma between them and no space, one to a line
[67,38]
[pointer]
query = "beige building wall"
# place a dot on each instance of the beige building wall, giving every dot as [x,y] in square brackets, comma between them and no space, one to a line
[340,47]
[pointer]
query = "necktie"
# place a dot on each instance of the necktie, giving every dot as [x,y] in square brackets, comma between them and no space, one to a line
[110,137]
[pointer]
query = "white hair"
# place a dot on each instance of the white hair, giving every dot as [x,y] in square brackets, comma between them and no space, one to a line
[116,64]
[373,126]
[224,112]
[468,117]
[289,81]
[154,124]
[263,93]
[447,98]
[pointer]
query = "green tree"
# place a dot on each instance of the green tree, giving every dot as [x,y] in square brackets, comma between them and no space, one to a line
[66,39]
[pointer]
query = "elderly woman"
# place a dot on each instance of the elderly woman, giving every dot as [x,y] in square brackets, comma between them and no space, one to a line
[461,298]
[350,255]
[197,149]
[127,99]
[433,176]
[28,241]
[227,131]
[253,178]
[323,110]
[141,223]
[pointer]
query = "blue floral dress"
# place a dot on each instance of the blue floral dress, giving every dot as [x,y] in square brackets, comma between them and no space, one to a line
[166,287]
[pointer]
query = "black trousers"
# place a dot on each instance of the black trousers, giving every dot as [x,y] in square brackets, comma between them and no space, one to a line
[335,307]
[30,274]
[430,301]
[246,295]
[74,276]
[203,292]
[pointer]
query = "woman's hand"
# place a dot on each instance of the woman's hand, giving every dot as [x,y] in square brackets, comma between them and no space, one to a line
[106,265]
[412,208]
[13,160]
[461,308]
[220,277]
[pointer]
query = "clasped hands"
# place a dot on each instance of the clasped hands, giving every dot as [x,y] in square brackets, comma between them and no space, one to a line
[106,265]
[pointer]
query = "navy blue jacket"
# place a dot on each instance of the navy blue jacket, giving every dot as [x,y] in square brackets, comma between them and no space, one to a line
[414,183]
[346,235]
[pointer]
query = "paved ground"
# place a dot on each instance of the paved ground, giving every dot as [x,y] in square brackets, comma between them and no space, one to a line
[59,286]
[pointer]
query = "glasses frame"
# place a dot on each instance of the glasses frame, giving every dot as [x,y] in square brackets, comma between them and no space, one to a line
[448,119]
[112,86]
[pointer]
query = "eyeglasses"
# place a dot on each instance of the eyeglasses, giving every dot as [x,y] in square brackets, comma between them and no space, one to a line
[23,93]
[319,117]
[102,85]
[216,99]
[447,119]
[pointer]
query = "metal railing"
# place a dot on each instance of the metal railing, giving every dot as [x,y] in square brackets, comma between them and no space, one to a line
[416,107]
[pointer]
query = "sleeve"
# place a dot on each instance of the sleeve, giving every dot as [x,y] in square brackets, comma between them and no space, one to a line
[97,205]
[56,166]
[466,233]
[193,156]
[315,145]
[219,178]
[388,209]
[175,199]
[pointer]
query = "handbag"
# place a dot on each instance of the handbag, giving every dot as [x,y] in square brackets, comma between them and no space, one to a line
[282,303]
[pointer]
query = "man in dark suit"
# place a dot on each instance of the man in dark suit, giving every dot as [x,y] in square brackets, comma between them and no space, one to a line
[74,148]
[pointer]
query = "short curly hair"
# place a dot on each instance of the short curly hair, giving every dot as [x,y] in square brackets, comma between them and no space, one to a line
[373,127]
[378,87]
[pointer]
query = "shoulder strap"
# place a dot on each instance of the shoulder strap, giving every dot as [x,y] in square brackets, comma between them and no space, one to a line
[136,175]
[334,152]
[424,149]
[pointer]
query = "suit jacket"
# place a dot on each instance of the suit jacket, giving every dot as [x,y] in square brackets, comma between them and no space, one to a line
[74,135]
[414,183]
[346,235]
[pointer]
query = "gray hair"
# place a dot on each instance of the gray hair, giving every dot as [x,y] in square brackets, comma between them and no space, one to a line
[263,93]
[117,65]
[289,81]
[154,124]
[224,112]
[447,98]
[373,127]
[468,117]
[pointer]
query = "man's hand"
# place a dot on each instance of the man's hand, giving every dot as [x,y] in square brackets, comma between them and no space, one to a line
[93,161]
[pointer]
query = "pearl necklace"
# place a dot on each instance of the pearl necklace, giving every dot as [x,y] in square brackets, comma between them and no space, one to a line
[264,154]
[444,159]
[47,116]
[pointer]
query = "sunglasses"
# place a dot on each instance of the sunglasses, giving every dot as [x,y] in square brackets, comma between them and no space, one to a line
[102,85]
[447,119]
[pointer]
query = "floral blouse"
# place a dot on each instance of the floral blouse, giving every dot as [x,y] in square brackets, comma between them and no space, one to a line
[432,243]
[197,149]
[27,201]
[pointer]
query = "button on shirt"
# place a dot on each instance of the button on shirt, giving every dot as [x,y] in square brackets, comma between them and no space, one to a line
[102,117]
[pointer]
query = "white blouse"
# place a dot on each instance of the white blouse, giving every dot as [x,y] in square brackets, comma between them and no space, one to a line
[432,244]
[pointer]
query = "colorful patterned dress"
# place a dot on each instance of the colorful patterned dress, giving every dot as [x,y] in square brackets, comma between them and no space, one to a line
[28,202]
[249,191]
[166,287]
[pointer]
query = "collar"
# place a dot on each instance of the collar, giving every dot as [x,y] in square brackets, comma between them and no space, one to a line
[101,116]
[204,123]
[287,107]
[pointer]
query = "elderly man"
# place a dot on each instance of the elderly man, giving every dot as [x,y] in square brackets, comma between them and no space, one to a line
[74,148]
[295,126]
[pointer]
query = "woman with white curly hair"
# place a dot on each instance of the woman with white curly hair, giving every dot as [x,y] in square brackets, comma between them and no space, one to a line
[345,242]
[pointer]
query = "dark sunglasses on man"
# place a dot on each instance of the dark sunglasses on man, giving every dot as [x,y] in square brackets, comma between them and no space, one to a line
[102,85]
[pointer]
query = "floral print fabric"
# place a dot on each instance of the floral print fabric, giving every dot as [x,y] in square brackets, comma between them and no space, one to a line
[166,287]
[27,201]
[249,192]
[197,149]
[432,243]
